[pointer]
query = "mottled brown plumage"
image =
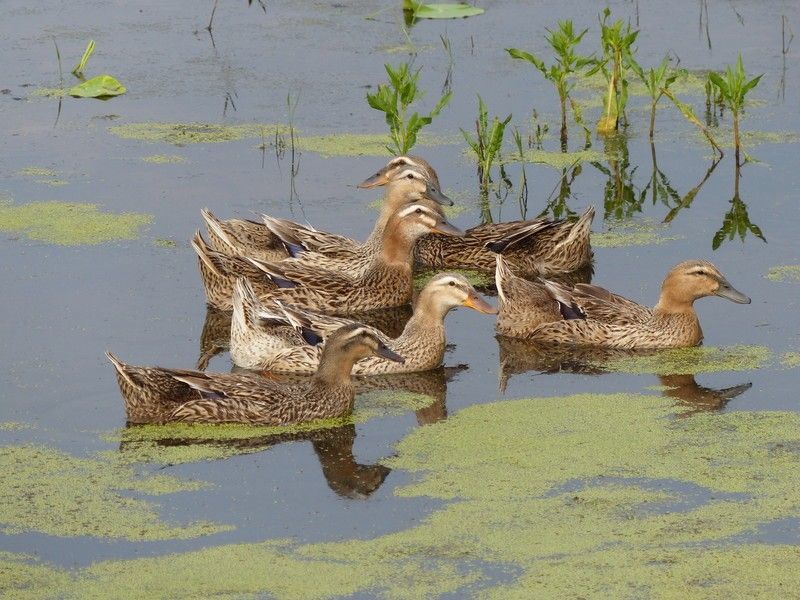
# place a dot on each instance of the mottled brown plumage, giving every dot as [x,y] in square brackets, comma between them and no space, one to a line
[386,283]
[591,315]
[538,246]
[422,342]
[156,395]
[257,240]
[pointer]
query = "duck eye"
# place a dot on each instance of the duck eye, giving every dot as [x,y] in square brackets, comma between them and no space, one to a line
[418,211]
[453,283]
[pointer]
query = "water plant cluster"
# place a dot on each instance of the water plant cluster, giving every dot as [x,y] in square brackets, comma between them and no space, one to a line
[615,61]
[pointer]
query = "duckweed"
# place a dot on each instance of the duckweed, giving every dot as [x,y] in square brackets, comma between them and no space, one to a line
[69,224]
[165,243]
[354,144]
[181,134]
[791,360]
[13,426]
[143,443]
[548,501]
[47,92]
[164,159]
[784,273]
[632,233]
[58,494]
[688,361]
[36,172]
[562,160]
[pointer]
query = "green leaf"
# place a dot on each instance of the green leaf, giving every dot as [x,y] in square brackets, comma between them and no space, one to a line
[719,82]
[441,11]
[78,70]
[522,55]
[102,86]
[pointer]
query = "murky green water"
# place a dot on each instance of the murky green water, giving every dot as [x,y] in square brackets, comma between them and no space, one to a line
[512,472]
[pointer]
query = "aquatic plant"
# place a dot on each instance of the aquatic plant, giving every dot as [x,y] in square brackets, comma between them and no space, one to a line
[261,3]
[563,40]
[459,10]
[617,41]
[688,113]
[656,80]
[488,141]
[733,88]
[394,100]
[78,70]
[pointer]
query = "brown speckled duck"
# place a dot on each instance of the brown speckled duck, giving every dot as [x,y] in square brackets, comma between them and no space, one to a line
[536,246]
[156,395]
[257,344]
[259,240]
[590,315]
[387,282]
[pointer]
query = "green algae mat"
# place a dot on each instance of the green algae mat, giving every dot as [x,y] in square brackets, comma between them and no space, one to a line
[69,223]
[589,495]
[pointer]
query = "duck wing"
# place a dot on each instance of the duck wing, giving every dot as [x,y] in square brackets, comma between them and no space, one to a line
[599,304]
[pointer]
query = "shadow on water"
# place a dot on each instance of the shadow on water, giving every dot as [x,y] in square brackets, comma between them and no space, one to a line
[518,356]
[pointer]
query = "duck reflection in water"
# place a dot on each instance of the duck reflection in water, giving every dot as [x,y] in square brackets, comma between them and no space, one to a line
[519,356]
[333,447]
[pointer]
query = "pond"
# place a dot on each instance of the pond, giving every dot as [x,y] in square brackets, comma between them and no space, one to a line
[507,473]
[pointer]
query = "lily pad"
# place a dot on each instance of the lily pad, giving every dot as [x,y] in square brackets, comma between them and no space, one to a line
[458,10]
[102,86]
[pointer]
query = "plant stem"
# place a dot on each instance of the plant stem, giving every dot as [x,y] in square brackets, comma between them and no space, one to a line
[563,99]
[652,118]
[736,135]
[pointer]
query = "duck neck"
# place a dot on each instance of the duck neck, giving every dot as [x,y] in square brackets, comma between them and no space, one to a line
[334,369]
[672,303]
[396,246]
[392,200]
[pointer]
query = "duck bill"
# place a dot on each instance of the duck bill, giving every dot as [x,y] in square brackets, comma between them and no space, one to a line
[384,352]
[727,291]
[437,196]
[446,229]
[380,178]
[475,302]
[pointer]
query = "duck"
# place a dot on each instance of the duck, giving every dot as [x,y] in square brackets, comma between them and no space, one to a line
[257,344]
[158,395]
[589,315]
[385,283]
[245,237]
[404,185]
[542,247]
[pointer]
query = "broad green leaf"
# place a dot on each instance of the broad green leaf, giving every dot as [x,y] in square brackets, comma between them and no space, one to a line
[441,11]
[78,70]
[522,55]
[102,86]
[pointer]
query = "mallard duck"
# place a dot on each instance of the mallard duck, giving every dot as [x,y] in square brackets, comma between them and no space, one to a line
[404,186]
[536,246]
[590,315]
[255,239]
[387,281]
[257,344]
[165,395]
